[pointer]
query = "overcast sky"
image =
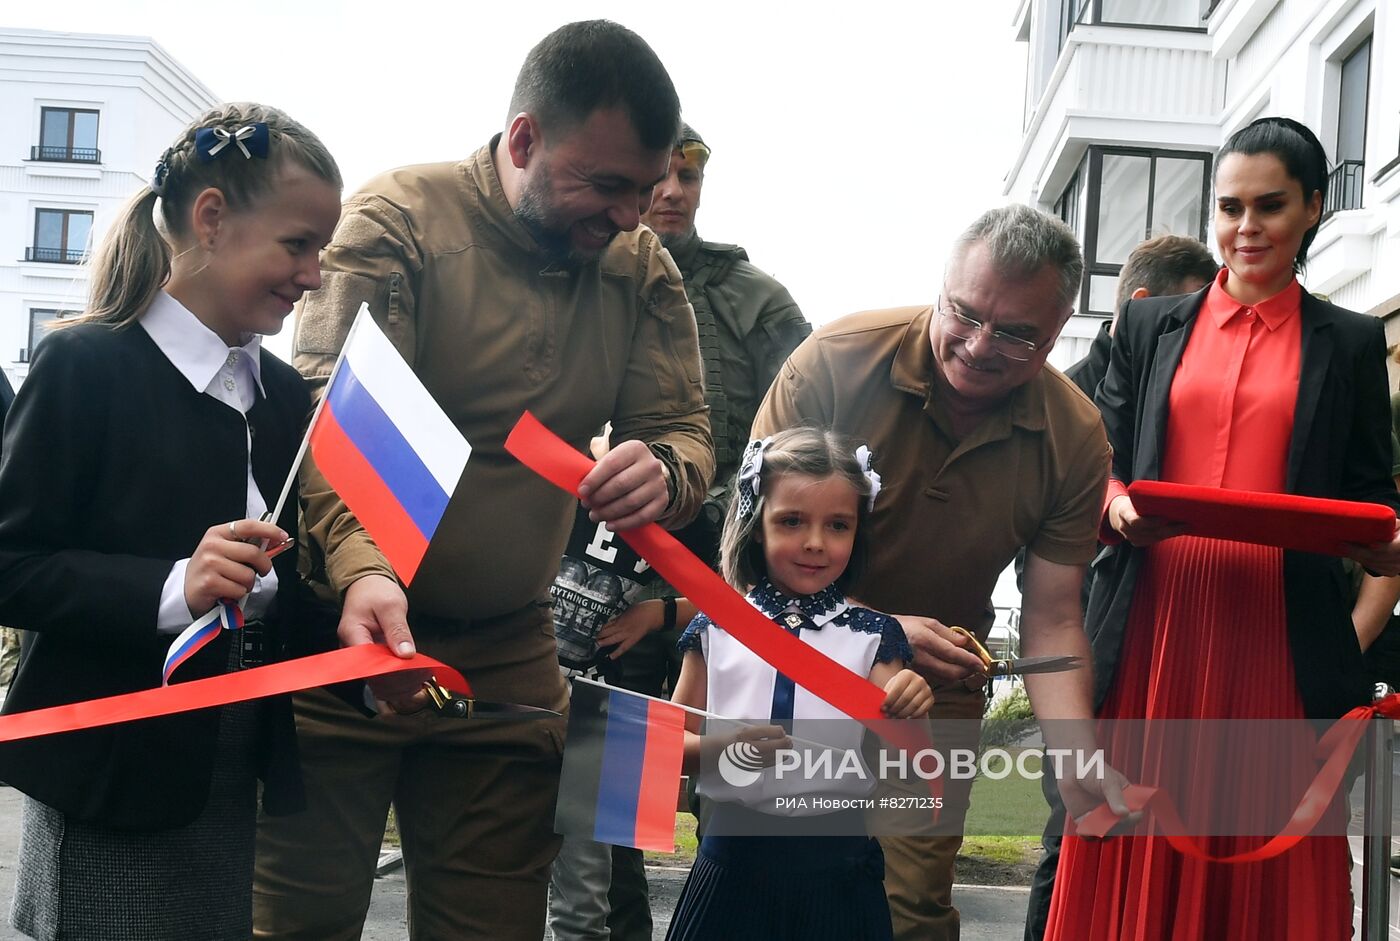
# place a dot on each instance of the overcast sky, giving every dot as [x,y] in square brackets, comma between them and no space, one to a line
[850,145]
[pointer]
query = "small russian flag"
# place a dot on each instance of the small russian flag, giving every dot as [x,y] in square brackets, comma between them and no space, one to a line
[224,616]
[622,769]
[386,447]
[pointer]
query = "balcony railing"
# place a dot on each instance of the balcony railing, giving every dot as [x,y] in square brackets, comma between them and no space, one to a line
[1344,187]
[58,256]
[64,154]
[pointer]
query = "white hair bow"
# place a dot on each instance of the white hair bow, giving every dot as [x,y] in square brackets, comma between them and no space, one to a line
[863,459]
[750,475]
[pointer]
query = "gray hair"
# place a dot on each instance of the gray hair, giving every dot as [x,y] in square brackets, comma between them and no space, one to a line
[1021,242]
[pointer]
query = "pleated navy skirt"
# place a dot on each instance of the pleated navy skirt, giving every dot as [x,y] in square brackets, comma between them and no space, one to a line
[775,888]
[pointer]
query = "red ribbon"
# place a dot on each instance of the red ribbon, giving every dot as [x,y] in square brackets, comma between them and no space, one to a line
[1334,750]
[550,456]
[290,676]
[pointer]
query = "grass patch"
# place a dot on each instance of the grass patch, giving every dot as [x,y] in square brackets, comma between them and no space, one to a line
[1001,845]
[1007,850]
[997,860]
[1010,807]
[686,845]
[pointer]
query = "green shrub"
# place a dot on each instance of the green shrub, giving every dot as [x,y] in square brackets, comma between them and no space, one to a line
[1008,720]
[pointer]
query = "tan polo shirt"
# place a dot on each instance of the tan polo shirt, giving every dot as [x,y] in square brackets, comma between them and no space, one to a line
[953,511]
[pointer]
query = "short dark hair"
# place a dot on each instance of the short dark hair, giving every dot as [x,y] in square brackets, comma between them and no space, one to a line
[584,66]
[1300,152]
[1161,264]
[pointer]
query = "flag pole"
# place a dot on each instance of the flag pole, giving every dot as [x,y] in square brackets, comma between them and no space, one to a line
[315,415]
[679,705]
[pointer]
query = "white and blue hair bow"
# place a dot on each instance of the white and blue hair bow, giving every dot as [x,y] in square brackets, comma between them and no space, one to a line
[251,139]
[863,457]
[751,475]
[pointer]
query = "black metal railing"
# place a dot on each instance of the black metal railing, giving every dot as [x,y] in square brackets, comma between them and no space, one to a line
[58,256]
[62,153]
[1344,187]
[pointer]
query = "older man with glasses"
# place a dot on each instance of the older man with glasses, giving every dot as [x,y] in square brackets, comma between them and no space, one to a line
[983,451]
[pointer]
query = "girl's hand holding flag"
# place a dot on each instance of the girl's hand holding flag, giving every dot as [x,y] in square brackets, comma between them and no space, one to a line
[228,560]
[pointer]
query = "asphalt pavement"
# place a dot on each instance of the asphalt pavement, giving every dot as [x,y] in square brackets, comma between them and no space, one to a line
[989,913]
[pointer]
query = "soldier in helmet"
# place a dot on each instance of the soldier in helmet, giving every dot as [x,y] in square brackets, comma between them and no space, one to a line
[748,322]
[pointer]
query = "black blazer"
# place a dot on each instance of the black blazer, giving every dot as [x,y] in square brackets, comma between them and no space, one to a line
[1340,449]
[113,468]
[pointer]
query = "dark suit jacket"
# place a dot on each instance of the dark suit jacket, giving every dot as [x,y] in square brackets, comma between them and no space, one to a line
[113,469]
[1340,449]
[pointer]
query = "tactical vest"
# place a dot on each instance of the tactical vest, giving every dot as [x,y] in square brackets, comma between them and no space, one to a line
[718,261]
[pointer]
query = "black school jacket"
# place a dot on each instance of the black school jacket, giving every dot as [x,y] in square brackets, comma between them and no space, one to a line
[1340,449]
[114,467]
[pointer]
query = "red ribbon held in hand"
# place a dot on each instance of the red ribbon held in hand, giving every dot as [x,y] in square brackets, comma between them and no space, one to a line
[290,676]
[550,456]
[1334,750]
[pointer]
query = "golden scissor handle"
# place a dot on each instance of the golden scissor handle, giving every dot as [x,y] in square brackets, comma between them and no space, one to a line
[446,701]
[977,648]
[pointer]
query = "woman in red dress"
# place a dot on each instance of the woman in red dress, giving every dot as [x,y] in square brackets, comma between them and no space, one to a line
[1249,384]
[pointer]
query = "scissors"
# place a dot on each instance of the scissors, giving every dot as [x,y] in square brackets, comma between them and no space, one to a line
[995,668]
[450,704]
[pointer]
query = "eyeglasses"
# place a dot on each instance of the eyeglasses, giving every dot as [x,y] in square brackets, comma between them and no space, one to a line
[694,150]
[964,327]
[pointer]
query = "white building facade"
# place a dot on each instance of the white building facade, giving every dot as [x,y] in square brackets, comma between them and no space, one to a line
[83,120]
[1128,101]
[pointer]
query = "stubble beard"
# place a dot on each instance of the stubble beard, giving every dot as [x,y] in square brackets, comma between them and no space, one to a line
[537,215]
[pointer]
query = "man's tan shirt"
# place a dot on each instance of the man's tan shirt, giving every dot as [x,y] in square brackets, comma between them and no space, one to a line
[953,511]
[491,330]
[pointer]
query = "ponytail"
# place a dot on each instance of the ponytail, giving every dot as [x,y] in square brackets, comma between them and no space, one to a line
[134,259]
[130,266]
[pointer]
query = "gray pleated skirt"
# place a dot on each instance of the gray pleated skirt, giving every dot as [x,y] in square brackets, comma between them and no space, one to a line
[81,882]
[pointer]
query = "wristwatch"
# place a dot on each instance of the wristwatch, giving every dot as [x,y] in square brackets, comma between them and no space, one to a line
[668,614]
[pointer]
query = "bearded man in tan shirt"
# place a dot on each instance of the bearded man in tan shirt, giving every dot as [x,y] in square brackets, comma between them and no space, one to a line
[515,279]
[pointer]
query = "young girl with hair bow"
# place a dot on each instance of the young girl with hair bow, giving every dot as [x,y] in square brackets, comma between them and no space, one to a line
[150,436]
[793,539]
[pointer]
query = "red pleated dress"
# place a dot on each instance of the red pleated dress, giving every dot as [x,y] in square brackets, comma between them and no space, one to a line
[1206,639]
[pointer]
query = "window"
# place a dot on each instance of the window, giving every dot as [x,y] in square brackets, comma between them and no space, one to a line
[1069,207]
[1149,14]
[41,321]
[1345,182]
[1070,12]
[1121,196]
[60,235]
[1168,14]
[67,135]
[1066,15]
